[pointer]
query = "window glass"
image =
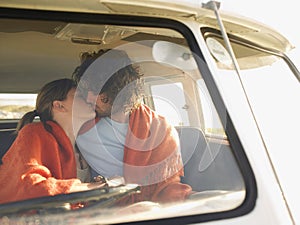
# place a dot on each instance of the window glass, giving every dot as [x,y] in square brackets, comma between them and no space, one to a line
[212,121]
[169,101]
[37,52]
[14,106]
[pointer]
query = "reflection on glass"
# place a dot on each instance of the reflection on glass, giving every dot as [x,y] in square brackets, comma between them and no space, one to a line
[210,166]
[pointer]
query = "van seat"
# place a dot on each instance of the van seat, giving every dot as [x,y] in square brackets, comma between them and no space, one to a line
[7,137]
[207,165]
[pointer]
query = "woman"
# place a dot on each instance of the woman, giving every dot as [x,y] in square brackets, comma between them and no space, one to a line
[41,161]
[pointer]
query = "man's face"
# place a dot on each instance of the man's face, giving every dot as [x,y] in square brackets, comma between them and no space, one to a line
[100,102]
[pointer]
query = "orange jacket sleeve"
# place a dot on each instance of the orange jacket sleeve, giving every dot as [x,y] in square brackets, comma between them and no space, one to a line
[152,158]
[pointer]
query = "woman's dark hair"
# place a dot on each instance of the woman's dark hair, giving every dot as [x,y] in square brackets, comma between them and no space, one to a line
[54,90]
[125,78]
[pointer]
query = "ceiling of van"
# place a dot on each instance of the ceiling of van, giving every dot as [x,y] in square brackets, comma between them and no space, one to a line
[35,52]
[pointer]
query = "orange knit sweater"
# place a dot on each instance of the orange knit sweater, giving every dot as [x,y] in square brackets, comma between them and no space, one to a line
[39,163]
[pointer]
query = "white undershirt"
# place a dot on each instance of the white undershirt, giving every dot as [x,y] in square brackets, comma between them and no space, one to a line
[103,147]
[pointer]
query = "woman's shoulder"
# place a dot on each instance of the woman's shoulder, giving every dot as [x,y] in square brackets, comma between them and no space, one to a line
[31,129]
[32,126]
[27,136]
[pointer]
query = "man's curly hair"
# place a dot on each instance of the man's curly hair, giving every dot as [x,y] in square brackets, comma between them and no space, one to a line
[126,79]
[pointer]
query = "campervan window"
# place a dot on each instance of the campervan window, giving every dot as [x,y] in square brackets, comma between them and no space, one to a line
[37,51]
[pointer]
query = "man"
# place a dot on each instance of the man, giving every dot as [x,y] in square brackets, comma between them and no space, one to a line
[127,138]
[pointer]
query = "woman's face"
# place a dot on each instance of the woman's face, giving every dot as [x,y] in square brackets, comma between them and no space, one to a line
[101,104]
[80,109]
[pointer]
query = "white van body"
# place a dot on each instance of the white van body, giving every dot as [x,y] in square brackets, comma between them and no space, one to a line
[264,110]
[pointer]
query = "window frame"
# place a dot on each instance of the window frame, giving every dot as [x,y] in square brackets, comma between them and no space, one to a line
[126,20]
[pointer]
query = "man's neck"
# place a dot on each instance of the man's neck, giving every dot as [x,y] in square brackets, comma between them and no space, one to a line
[120,117]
